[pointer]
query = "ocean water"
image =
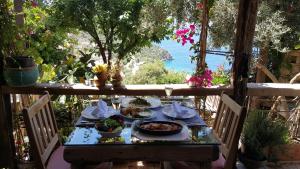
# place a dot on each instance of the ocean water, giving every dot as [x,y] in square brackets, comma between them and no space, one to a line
[181,55]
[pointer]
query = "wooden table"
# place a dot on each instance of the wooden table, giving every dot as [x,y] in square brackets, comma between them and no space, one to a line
[85,146]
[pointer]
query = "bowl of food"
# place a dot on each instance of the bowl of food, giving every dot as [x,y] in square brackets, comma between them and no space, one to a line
[136,113]
[159,128]
[110,127]
[138,102]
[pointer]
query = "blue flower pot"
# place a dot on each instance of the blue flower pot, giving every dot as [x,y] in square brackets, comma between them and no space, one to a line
[21,77]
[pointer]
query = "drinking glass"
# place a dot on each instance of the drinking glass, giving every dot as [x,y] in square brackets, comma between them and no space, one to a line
[116,102]
[168,91]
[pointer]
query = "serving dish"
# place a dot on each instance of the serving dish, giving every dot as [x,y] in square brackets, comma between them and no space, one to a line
[136,113]
[158,128]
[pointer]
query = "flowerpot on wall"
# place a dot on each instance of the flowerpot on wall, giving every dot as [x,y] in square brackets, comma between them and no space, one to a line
[251,163]
[20,71]
[116,83]
[101,80]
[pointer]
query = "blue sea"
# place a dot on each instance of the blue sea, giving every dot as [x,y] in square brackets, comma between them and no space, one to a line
[181,55]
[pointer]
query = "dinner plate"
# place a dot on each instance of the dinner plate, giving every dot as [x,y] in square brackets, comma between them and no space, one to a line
[157,131]
[154,102]
[88,113]
[170,112]
[145,113]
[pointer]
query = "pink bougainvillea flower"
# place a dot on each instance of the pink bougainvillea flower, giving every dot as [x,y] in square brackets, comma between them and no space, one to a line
[202,80]
[199,5]
[192,27]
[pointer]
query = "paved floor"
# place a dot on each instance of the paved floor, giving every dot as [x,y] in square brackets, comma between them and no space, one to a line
[153,165]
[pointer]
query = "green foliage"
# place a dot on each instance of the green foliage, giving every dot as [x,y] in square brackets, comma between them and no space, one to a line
[220,76]
[223,16]
[187,10]
[270,28]
[260,131]
[118,28]
[154,73]
[6,25]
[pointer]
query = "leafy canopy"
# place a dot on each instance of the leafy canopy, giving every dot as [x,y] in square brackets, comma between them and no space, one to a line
[118,28]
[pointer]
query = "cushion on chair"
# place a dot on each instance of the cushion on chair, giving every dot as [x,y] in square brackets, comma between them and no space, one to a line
[219,163]
[56,160]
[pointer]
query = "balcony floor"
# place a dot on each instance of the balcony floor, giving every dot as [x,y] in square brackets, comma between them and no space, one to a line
[155,165]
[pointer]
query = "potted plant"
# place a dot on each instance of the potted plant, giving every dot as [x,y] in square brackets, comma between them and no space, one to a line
[260,133]
[19,67]
[116,75]
[101,73]
[201,79]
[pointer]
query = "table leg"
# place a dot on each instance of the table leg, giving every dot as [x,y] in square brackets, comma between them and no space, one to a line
[77,165]
[205,165]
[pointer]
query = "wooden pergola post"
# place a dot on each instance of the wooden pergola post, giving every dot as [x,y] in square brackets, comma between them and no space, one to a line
[243,47]
[7,145]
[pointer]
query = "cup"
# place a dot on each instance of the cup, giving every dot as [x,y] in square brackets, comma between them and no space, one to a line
[168,91]
[116,102]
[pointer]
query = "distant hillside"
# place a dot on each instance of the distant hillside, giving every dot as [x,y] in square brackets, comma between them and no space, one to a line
[152,53]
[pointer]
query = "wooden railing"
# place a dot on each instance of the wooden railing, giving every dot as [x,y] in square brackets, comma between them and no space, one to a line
[254,89]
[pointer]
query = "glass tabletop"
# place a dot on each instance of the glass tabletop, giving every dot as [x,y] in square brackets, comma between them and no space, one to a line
[196,135]
[194,130]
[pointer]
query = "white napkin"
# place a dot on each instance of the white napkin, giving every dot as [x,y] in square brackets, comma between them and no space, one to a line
[101,110]
[180,111]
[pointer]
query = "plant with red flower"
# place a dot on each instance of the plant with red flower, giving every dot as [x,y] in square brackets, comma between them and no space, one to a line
[185,34]
[201,79]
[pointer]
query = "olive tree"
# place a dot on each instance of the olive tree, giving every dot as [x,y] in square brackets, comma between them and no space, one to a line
[118,28]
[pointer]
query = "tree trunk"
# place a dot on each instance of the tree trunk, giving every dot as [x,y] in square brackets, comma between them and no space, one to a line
[203,37]
[263,60]
[243,47]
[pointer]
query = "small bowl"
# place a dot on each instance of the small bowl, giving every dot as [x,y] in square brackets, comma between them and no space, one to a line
[110,134]
[102,129]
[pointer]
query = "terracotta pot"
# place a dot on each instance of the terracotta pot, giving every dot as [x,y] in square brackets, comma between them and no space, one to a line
[286,152]
[251,163]
[100,82]
[192,84]
[116,83]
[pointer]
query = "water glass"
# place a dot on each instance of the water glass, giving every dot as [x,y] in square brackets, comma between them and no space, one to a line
[116,102]
[168,91]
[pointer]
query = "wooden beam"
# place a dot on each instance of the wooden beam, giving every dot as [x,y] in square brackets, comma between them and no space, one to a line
[243,47]
[7,153]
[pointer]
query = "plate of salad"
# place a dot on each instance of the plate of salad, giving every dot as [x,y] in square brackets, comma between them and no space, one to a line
[110,127]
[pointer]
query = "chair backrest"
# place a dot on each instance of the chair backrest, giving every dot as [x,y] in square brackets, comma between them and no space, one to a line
[42,129]
[228,127]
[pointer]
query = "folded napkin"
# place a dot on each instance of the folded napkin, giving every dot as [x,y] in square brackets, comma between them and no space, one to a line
[180,111]
[102,110]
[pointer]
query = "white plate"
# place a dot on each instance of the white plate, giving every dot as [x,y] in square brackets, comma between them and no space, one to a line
[87,113]
[154,102]
[188,113]
[152,114]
